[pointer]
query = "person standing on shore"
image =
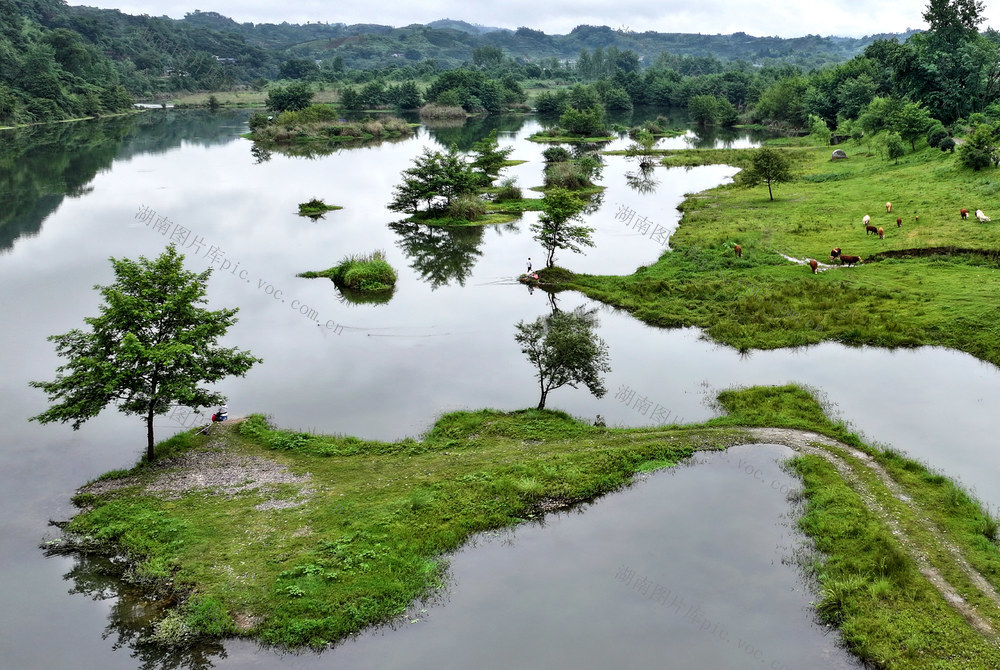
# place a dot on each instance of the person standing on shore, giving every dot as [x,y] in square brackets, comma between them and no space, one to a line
[529,265]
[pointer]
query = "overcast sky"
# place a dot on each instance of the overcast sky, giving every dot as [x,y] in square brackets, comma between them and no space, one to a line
[784,18]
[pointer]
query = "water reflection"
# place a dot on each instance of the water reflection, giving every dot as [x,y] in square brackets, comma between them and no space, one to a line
[41,166]
[440,255]
[131,618]
[463,133]
[642,180]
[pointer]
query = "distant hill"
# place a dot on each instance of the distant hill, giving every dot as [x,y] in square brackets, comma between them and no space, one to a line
[472,29]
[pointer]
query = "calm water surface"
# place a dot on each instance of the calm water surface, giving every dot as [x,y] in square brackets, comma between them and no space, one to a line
[444,341]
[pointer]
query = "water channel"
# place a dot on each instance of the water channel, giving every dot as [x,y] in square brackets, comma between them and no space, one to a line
[551,594]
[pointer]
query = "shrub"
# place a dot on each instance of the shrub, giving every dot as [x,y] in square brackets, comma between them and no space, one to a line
[947,144]
[935,135]
[569,175]
[509,190]
[556,155]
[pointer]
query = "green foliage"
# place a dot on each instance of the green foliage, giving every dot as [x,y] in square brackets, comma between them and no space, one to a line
[467,207]
[894,148]
[293,97]
[367,272]
[703,110]
[508,191]
[149,350]
[435,176]
[979,150]
[583,123]
[565,351]
[557,226]
[556,154]
[936,134]
[489,158]
[818,129]
[766,166]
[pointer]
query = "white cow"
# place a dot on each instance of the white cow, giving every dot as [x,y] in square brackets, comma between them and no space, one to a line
[866,220]
[982,217]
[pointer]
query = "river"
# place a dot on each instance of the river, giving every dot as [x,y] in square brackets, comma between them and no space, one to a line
[81,193]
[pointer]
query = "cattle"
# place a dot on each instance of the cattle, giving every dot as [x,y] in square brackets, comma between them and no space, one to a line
[849,260]
[866,220]
[871,229]
[834,253]
[981,216]
[814,265]
[881,234]
[899,222]
[738,250]
[888,207]
[964,212]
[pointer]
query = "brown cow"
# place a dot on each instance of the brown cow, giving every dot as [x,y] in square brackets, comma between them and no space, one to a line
[814,265]
[849,260]
[888,207]
[738,250]
[871,229]
[881,234]
[899,222]
[834,253]
[964,212]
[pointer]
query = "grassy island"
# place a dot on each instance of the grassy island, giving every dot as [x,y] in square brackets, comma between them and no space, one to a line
[321,124]
[315,207]
[933,279]
[365,272]
[316,537]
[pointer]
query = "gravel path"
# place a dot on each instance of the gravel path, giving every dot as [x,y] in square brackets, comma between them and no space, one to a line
[807,442]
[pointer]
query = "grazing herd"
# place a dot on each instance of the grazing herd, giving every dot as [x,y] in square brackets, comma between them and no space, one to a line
[870,229]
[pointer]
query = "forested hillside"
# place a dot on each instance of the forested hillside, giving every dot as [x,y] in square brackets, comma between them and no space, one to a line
[58,61]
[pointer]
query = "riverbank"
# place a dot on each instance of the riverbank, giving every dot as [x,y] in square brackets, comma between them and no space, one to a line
[299,539]
[895,297]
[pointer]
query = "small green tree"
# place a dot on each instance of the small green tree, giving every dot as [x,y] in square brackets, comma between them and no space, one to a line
[703,109]
[489,158]
[894,147]
[979,149]
[293,97]
[149,349]
[556,227]
[767,166]
[911,122]
[434,176]
[565,351]
[584,123]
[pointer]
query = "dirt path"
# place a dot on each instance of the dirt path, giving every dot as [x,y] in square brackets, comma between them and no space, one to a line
[807,442]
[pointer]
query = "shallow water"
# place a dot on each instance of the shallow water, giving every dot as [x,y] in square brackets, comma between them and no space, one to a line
[443,342]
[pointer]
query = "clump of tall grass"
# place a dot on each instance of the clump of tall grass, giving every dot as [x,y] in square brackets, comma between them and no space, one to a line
[432,110]
[361,272]
[572,175]
[467,207]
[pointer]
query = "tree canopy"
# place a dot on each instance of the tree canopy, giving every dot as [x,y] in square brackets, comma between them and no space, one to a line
[556,229]
[149,349]
[565,351]
[767,166]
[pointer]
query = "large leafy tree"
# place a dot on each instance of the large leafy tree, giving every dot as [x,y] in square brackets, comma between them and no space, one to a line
[767,166]
[149,349]
[297,95]
[557,226]
[565,351]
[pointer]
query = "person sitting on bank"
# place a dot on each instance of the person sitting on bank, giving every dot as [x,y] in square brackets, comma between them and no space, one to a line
[222,414]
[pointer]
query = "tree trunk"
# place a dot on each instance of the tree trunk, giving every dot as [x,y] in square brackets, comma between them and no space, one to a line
[541,400]
[150,454]
[769,190]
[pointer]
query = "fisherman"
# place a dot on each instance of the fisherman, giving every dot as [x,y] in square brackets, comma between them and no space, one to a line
[529,265]
[222,414]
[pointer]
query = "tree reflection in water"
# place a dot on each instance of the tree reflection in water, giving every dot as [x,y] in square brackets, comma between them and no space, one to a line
[133,615]
[440,255]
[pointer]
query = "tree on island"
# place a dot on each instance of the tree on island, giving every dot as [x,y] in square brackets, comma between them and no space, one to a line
[556,227]
[565,351]
[434,176]
[297,95]
[148,350]
[489,158]
[767,166]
